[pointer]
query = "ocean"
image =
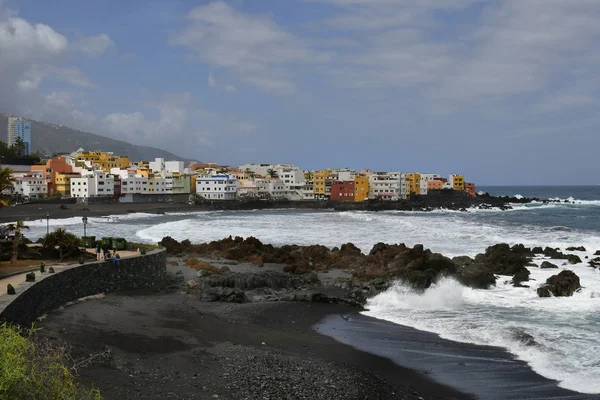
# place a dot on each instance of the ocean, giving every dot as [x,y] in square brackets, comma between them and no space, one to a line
[562,334]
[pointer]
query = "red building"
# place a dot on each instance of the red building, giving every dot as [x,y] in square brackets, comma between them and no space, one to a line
[470,189]
[342,191]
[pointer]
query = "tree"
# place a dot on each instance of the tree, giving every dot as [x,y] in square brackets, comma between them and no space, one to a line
[66,242]
[16,229]
[7,182]
[19,146]
[250,173]
[272,173]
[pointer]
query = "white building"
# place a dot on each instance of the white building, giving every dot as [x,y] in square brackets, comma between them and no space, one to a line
[278,190]
[30,185]
[264,169]
[387,186]
[217,187]
[346,175]
[425,178]
[131,183]
[93,184]
[258,188]
[160,166]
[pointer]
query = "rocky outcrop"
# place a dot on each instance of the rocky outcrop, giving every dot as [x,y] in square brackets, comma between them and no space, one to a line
[564,284]
[573,248]
[558,255]
[594,262]
[547,264]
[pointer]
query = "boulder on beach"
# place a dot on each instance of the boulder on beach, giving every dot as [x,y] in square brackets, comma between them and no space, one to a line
[10,289]
[562,285]
[30,277]
[547,264]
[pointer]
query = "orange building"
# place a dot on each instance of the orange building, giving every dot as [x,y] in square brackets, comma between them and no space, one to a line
[53,166]
[361,188]
[470,189]
[435,184]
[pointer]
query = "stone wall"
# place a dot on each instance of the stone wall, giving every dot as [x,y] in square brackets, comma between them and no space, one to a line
[55,290]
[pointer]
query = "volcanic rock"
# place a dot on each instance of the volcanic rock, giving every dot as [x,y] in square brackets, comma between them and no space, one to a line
[10,289]
[564,284]
[30,277]
[572,248]
[547,264]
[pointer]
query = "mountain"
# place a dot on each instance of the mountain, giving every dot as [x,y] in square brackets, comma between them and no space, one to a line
[48,139]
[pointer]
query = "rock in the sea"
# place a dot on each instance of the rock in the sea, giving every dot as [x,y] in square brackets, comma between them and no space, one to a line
[537,250]
[30,277]
[521,276]
[10,289]
[562,285]
[597,253]
[595,262]
[573,248]
[547,264]
[573,259]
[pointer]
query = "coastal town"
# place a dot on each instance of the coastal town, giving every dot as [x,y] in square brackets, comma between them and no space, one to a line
[107,177]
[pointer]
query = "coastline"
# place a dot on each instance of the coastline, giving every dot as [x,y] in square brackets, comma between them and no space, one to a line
[38,210]
[169,346]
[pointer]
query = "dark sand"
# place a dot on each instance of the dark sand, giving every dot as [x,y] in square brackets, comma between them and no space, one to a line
[491,373]
[171,346]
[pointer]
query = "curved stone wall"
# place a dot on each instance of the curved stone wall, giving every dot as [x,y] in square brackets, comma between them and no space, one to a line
[54,290]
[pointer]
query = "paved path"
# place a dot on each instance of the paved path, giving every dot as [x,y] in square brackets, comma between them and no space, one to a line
[16,280]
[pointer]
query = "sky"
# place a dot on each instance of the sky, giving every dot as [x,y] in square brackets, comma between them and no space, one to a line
[505,92]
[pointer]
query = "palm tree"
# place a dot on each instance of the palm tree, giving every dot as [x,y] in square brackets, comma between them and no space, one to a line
[66,242]
[272,173]
[250,173]
[7,182]
[16,228]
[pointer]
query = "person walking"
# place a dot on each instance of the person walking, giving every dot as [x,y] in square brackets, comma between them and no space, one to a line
[98,251]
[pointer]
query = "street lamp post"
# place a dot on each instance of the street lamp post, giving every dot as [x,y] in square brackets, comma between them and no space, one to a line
[84,219]
[47,223]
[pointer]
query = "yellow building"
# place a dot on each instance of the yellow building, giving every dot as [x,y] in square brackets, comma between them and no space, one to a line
[320,178]
[103,161]
[146,173]
[458,182]
[361,187]
[63,182]
[414,182]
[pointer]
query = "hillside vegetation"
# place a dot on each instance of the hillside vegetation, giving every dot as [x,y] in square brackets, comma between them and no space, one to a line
[49,139]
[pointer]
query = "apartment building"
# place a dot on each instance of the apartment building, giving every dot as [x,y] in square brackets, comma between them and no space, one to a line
[217,186]
[93,184]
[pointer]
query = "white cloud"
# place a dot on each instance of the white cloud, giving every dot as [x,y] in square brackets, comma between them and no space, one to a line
[212,83]
[95,46]
[20,42]
[211,80]
[253,47]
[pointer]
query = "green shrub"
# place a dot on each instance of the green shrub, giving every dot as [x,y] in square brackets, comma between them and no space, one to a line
[33,371]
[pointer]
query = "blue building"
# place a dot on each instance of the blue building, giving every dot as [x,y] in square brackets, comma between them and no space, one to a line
[19,128]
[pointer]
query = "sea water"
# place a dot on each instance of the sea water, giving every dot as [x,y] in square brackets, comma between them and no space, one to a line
[558,337]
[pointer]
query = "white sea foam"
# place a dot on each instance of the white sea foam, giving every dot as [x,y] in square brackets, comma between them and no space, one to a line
[565,330]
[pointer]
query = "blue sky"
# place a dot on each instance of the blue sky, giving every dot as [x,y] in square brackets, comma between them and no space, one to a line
[503,91]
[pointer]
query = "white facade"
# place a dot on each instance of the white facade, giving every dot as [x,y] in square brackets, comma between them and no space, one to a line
[31,185]
[93,184]
[217,187]
[387,186]
[160,166]
[425,178]
[160,185]
[448,185]
[345,176]
[131,183]
[263,169]
[277,189]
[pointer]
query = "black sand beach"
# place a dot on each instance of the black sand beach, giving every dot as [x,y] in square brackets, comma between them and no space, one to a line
[171,346]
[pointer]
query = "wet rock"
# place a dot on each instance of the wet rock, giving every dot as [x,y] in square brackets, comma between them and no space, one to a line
[564,284]
[573,259]
[594,262]
[30,277]
[572,248]
[521,276]
[10,289]
[547,264]
[537,250]
[500,259]
[520,335]
[597,253]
